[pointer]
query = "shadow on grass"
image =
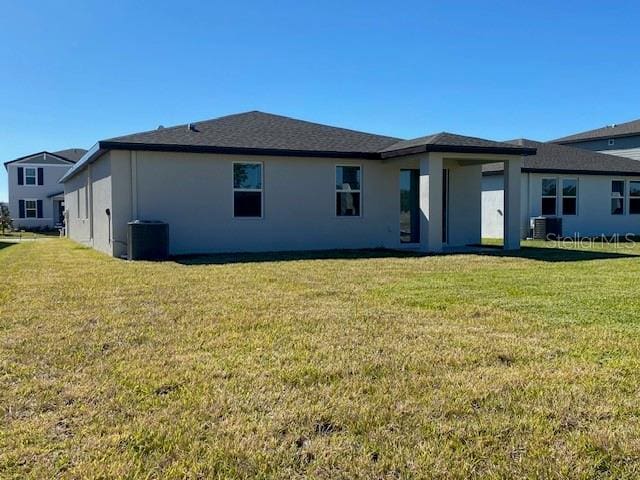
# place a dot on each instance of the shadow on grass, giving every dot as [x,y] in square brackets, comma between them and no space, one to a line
[5,244]
[226,258]
[542,254]
[546,254]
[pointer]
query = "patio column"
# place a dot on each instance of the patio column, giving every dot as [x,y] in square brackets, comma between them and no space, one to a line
[512,184]
[431,202]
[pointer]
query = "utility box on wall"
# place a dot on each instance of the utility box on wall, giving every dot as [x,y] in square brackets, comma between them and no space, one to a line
[148,240]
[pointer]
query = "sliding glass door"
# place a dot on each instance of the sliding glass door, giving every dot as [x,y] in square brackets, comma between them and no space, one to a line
[409,206]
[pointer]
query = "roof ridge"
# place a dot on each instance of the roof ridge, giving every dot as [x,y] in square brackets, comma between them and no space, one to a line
[600,132]
[184,125]
[29,155]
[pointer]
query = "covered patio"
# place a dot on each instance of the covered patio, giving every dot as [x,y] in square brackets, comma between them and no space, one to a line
[445,190]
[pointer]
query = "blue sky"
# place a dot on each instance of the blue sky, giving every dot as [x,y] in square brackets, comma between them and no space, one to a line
[74,72]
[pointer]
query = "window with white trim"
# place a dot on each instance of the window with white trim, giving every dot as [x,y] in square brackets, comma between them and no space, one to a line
[569,196]
[247,189]
[31,209]
[617,197]
[348,190]
[611,142]
[549,196]
[634,197]
[30,176]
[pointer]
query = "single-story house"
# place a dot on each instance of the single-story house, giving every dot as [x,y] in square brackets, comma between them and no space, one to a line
[595,194]
[261,182]
[622,139]
[36,198]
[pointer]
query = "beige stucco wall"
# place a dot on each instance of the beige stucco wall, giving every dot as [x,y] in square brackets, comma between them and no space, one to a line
[100,174]
[87,195]
[465,198]
[194,194]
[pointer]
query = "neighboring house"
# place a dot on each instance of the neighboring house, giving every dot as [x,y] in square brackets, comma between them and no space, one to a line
[36,198]
[594,193]
[262,182]
[622,140]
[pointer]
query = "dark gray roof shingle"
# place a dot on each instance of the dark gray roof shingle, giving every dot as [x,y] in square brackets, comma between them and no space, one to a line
[258,133]
[258,130]
[550,157]
[71,154]
[610,131]
[449,141]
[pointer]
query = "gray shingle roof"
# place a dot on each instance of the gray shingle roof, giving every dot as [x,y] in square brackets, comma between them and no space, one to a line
[550,157]
[449,141]
[265,131]
[258,133]
[258,130]
[71,154]
[610,131]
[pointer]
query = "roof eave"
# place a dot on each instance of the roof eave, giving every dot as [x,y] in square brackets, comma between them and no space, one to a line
[459,149]
[563,171]
[88,158]
[159,147]
[561,141]
[24,157]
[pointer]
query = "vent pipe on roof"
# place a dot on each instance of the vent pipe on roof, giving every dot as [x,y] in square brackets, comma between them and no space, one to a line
[160,127]
[191,127]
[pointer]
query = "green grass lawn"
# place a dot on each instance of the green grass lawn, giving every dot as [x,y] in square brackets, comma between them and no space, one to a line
[357,365]
[22,234]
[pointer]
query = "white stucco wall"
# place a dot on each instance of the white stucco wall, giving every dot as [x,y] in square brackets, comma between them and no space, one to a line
[492,206]
[594,206]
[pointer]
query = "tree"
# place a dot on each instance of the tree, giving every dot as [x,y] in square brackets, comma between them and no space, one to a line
[5,218]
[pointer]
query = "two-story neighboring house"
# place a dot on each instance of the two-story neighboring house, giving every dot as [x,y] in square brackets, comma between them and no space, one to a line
[621,139]
[36,199]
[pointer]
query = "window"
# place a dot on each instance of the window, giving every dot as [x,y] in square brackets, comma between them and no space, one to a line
[247,190]
[634,197]
[30,209]
[348,190]
[617,197]
[611,142]
[549,196]
[569,196]
[30,176]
